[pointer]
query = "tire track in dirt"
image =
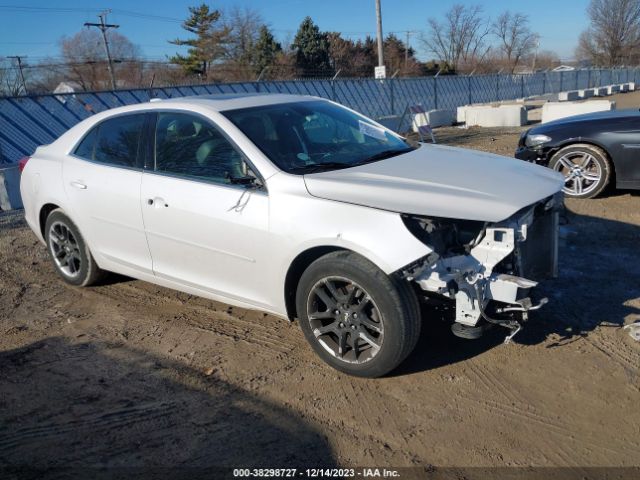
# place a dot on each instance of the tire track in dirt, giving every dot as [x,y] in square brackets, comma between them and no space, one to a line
[216,322]
[555,427]
[236,333]
[615,349]
[374,412]
[514,409]
[121,418]
[492,383]
[617,352]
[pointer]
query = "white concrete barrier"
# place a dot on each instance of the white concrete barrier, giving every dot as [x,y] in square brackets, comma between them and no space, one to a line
[495,116]
[461,114]
[632,86]
[586,93]
[568,96]
[10,187]
[434,118]
[611,89]
[600,92]
[555,110]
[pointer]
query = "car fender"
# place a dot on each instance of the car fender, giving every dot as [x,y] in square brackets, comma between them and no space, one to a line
[304,222]
[41,184]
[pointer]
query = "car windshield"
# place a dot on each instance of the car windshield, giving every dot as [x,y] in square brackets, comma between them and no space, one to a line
[314,136]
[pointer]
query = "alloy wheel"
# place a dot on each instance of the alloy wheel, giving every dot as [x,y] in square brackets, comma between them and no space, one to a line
[582,173]
[65,249]
[345,320]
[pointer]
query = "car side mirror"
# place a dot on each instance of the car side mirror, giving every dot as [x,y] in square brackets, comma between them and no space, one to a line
[246,180]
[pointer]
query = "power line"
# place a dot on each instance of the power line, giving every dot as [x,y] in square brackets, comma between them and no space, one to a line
[19,58]
[103,26]
[406,48]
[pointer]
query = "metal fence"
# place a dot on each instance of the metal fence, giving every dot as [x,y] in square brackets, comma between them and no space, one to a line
[29,121]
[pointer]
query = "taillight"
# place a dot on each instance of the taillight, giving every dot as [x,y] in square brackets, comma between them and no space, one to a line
[22,163]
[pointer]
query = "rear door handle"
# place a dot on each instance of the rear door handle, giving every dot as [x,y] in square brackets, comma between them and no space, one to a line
[79,185]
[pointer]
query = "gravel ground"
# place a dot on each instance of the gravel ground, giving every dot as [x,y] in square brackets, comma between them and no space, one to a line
[130,374]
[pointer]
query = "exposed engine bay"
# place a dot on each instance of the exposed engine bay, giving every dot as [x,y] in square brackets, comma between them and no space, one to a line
[488,269]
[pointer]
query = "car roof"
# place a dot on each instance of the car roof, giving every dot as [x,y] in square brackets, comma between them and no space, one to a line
[233,101]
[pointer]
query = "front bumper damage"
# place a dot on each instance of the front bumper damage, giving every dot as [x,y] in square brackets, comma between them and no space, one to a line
[492,283]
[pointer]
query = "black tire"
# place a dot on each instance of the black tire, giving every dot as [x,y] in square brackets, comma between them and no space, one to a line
[392,308]
[81,269]
[577,185]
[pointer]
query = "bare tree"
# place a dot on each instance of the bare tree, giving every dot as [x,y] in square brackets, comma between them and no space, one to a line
[46,75]
[515,37]
[459,40]
[613,38]
[244,25]
[87,65]
[545,60]
[10,80]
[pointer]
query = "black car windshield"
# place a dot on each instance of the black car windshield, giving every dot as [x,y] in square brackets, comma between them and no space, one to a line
[314,136]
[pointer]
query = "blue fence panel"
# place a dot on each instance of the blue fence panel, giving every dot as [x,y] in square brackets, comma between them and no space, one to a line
[450,91]
[412,91]
[28,121]
[33,110]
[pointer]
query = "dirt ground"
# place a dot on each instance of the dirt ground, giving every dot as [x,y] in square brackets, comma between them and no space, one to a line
[130,374]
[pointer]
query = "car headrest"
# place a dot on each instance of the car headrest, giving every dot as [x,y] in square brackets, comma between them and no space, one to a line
[186,128]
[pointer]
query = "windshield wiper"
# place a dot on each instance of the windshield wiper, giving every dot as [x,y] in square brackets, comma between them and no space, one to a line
[382,155]
[321,167]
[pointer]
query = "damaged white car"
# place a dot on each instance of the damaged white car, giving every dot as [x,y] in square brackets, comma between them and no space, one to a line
[302,208]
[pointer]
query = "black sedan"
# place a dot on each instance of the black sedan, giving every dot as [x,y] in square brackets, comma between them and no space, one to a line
[591,150]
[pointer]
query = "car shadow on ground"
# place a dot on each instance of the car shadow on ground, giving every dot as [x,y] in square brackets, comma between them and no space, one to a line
[598,282]
[612,192]
[96,407]
[598,279]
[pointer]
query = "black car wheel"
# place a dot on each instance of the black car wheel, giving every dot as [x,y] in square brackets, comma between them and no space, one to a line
[585,167]
[357,319]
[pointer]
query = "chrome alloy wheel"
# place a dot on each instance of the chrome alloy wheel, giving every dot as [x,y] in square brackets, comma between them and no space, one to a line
[582,173]
[345,320]
[64,249]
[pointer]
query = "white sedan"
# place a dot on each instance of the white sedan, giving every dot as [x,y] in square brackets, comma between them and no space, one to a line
[302,208]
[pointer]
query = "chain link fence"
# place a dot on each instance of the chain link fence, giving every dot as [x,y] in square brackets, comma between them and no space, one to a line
[29,121]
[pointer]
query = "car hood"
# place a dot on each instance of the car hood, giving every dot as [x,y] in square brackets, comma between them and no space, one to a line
[441,182]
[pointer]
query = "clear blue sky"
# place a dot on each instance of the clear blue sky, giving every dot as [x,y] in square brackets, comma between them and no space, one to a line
[34,31]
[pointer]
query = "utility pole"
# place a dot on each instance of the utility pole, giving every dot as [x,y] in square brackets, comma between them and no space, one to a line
[380,45]
[535,57]
[19,58]
[406,50]
[104,26]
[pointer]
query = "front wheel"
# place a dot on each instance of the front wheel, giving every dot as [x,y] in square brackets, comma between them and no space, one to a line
[357,319]
[586,170]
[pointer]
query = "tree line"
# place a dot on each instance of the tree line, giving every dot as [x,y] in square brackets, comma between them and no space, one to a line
[238,45]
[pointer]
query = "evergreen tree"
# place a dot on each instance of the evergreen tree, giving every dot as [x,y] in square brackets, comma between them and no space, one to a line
[265,50]
[209,44]
[311,47]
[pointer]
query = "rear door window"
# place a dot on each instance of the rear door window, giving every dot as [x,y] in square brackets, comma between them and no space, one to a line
[87,145]
[116,141]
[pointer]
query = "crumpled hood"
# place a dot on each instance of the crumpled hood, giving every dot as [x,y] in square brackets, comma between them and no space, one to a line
[440,181]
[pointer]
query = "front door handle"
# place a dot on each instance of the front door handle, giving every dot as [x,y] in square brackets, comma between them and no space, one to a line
[157,201]
[79,185]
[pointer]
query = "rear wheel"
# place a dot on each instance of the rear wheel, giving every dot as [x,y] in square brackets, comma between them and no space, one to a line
[357,319]
[69,252]
[586,170]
